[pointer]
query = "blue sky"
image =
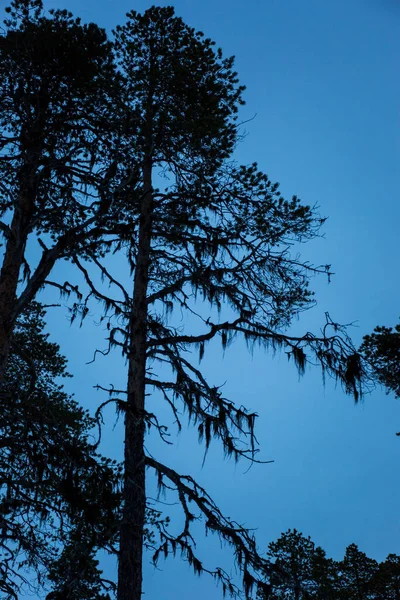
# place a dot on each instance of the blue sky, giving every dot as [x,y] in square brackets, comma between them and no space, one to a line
[323,88]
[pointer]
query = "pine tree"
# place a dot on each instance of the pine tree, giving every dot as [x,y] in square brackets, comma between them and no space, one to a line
[81,172]
[299,570]
[57,84]
[212,231]
[357,573]
[59,499]
[381,350]
[386,583]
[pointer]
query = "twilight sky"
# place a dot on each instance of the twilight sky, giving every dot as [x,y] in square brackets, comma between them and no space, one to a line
[323,88]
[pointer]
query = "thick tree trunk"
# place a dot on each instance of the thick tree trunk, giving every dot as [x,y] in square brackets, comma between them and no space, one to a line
[9,275]
[21,224]
[133,520]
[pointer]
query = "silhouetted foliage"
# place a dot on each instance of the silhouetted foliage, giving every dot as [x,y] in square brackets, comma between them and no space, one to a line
[357,573]
[215,232]
[300,570]
[52,481]
[127,148]
[382,350]
[57,84]
[386,583]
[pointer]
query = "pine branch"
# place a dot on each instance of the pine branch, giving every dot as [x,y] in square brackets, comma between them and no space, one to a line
[251,564]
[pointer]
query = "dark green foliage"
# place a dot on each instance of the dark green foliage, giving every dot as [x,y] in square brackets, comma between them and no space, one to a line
[57,87]
[386,582]
[52,481]
[54,106]
[191,91]
[382,350]
[66,573]
[357,574]
[302,571]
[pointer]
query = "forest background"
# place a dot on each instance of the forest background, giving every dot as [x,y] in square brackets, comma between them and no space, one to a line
[321,80]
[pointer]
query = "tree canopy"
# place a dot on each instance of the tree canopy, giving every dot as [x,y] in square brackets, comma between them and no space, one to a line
[301,571]
[58,496]
[56,89]
[382,350]
[126,147]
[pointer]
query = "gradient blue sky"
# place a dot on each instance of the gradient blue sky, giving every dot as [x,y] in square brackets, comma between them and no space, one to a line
[322,79]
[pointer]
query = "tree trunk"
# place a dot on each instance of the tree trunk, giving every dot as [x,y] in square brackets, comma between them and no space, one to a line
[134,497]
[9,275]
[21,224]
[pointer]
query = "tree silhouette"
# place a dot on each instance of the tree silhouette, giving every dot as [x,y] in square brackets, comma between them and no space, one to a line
[129,149]
[53,484]
[386,582]
[56,89]
[299,570]
[382,350]
[211,230]
[357,572]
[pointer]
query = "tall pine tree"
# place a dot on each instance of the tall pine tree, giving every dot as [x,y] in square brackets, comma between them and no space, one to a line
[195,225]
[57,86]
[84,142]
